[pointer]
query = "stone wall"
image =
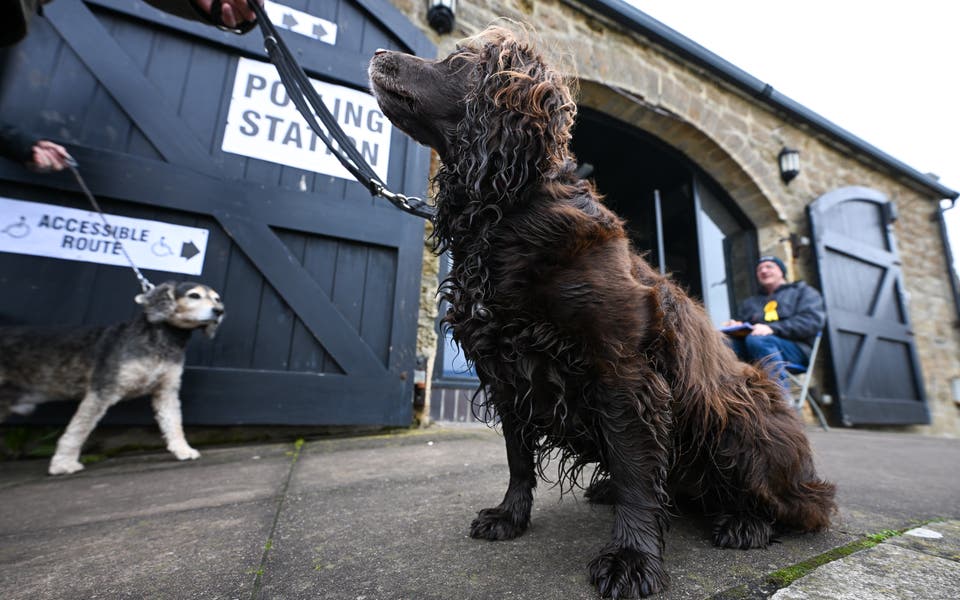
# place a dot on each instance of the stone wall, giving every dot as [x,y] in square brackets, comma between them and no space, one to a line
[427,337]
[736,139]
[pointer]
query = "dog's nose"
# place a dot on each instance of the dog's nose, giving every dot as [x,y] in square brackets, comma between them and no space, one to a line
[217,311]
[379,51]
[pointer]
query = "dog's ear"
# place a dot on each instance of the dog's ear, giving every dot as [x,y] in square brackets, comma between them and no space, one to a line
[159,304]
[524,110]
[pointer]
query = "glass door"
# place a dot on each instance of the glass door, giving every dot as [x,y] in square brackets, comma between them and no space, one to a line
[727,254]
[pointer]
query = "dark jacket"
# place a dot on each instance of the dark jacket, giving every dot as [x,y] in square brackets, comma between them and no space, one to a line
[15,16]
[16,144]
[188,10]
[800,310]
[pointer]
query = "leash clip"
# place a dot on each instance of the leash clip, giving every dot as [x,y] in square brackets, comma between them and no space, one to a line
[414,206]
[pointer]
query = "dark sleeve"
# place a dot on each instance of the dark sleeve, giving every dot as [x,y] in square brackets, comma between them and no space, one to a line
[809,318]
[15,144]
[180,8]
[188,9]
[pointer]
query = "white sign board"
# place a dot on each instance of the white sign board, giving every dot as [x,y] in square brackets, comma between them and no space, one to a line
[70,234]
[263,123]
[300,22]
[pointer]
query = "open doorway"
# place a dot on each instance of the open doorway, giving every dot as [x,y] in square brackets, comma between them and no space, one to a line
[677,216]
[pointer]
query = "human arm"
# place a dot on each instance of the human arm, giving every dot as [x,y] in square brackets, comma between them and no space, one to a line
[739,325]
[40,155]
[233,15]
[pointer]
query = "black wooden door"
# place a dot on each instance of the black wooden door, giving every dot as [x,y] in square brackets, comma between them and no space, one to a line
[877,373]
[320,280]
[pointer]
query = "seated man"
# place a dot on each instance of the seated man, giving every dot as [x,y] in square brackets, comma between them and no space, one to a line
[786,318]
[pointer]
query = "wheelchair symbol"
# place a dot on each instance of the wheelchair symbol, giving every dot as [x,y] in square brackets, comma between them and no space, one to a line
[17,230]
[161,248]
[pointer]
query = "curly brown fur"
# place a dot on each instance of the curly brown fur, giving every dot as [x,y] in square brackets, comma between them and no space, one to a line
[585,353]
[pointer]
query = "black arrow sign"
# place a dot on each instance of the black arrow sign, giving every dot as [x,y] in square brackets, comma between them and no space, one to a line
[288,21]
[188,250]
[319,31]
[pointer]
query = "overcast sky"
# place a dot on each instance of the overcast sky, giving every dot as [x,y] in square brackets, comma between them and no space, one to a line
[886,71]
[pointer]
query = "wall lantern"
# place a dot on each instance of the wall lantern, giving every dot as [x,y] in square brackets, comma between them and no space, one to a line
[789,160]
[440,15]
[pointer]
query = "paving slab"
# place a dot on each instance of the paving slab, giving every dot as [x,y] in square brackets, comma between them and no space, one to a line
[142,485]
[937,539]
[884,572]
[888,480]
[204,553]
[140,526]
[392,523]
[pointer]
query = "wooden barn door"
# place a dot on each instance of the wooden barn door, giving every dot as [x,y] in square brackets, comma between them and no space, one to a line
[320,281]
[875,365]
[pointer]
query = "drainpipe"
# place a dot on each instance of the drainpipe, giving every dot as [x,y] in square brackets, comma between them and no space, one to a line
[954,285]
[951,272]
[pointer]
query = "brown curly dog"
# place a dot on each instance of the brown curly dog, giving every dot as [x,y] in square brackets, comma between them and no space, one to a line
[584,352]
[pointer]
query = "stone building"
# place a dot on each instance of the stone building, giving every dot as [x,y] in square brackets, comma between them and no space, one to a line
[198,144]
[685,146]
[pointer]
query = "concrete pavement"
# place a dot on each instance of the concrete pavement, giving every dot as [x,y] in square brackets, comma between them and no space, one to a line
[386,517]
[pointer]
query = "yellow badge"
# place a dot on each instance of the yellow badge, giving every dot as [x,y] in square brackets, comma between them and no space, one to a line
[770,311]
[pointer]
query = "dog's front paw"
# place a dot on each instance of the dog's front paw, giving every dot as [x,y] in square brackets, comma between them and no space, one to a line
[184,452]
[64,466]
[742,531]
[496,524]
[625,573]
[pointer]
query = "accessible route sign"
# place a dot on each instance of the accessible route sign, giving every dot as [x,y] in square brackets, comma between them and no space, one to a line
[54,231]
[262,122]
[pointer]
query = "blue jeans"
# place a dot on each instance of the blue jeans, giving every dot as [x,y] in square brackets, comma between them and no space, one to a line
[770,351]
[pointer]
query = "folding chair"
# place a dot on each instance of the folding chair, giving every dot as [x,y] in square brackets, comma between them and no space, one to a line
[800,377]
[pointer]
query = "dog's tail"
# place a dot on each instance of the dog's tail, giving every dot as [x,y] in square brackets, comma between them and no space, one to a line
[810,508]
[780,472]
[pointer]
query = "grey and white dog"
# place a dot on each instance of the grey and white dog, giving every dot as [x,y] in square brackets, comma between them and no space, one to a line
[104,365]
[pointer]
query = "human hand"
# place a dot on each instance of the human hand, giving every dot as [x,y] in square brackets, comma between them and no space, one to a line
[48,156]
[232,12]
[761,329]
[731,323]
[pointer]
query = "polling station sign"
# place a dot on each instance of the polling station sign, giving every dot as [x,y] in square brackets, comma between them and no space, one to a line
[70,234]
[263,123]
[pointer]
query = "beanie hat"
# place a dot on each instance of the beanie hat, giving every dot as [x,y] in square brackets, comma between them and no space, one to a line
[774,260]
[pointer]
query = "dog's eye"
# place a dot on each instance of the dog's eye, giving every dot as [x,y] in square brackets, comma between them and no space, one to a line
[194,295]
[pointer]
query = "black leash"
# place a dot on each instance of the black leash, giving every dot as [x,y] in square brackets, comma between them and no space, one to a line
[308,102]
